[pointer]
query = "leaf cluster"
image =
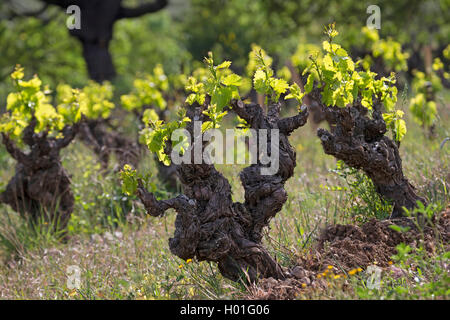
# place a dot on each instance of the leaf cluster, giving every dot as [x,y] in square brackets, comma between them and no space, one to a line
[148,91]
[30,100]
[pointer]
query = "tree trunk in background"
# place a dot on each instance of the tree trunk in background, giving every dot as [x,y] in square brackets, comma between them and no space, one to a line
[97,23]
[98,61]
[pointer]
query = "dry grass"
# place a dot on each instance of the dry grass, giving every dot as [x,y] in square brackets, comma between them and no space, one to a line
[128,258]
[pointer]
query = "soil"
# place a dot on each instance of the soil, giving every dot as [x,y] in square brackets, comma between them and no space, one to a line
[347,247]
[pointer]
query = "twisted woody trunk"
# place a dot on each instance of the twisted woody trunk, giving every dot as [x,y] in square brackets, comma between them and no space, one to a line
[94,133]
[209,225]
[40,187]
[360,141]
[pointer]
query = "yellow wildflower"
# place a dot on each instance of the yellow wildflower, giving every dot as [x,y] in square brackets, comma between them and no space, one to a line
[352,272]
[73,292]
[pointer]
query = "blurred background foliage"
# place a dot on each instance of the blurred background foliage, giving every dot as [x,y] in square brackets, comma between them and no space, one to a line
[187,29]
[178,37]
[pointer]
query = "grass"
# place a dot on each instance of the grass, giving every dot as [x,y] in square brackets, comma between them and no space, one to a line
[123,254]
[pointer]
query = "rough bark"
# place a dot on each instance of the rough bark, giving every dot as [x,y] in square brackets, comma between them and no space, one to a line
[360,141]
[40,187]
[209,225]
[168,175]
[104,142]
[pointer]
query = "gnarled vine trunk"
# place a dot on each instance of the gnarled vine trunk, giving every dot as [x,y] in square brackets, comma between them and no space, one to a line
[209,225]
[103,142]
[40,188]
[360,141]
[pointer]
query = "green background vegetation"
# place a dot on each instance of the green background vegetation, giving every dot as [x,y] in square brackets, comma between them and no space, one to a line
[124,254]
